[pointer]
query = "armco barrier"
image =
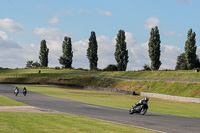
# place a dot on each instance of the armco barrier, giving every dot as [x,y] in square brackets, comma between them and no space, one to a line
[94,88]
[162,96]
[169,97]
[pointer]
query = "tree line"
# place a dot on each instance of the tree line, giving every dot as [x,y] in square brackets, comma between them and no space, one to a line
[186,61]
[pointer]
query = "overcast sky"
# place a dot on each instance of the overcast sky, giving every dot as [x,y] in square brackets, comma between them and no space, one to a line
[24,23]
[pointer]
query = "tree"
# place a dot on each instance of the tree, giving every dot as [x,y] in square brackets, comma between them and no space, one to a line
[121,53]
[92,51]
[181,63]
[36,64]
[29,64]
[146,67]
[44,51]
[66,58]
[154,48]
[111,67]
[190,50]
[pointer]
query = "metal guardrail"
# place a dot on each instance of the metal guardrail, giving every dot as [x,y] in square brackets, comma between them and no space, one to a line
[170,97]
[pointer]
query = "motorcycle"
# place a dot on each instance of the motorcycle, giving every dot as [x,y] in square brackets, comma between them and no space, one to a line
[24,92]
[16,92]
[141,109]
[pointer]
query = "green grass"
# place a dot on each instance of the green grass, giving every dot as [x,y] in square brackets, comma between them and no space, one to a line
[4,101]
[59,123]
[44,72]
[179,73]
[118,100]
[71,72]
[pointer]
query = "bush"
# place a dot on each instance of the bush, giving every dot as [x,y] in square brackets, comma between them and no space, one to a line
[111,67]
[57,67]
[82,69]
[146,67]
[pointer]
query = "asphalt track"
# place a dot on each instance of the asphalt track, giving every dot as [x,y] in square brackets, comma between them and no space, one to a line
[152,121]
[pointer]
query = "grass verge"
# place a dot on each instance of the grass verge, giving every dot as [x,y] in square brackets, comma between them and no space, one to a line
[59,123]
[4,101]
[118,100]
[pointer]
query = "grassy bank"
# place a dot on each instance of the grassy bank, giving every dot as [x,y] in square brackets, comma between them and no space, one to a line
[71,76]
[177,74]
[71,72]
[184,89]
[51,123]
[118,100]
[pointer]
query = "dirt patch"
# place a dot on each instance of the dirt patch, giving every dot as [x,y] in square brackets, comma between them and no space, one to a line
[26,109]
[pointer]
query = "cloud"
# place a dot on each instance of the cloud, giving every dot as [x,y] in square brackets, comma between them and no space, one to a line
[54,39]
[169,56]
[53,36]
[10,25]
[53,20]
[152,22]
[6,42]
[140,56]
[171,34]
[17,57]
[184,1]
[84,11]
[106,13]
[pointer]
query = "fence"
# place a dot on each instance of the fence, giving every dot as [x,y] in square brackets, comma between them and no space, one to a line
[94,88]
[169,97]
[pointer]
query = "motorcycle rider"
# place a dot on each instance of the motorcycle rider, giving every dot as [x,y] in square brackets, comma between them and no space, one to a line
[143,101]
[24,91]
[16,91]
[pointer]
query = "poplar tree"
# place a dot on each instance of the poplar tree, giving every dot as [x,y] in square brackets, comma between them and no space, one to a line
[43,55]
[66,58]
[154,48]
[92,51]
[190,50]
[121,53]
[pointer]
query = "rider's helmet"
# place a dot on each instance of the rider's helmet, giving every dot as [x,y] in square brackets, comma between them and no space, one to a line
[146,99]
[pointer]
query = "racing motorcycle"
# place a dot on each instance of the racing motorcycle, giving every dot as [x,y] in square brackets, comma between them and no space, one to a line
[16,91]
[141,109]
[24,92]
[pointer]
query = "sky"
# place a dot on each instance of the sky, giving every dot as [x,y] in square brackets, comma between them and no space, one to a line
[24,23]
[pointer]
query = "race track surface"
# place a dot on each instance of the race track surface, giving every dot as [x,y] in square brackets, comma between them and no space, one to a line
[153,121]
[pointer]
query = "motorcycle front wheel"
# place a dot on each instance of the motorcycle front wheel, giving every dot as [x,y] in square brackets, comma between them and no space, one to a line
[131,111]
[143,111]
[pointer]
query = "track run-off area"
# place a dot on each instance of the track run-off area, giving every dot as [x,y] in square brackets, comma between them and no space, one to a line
[150,121]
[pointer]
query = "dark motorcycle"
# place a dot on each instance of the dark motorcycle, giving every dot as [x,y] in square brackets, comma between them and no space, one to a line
[141,109]
[24,92]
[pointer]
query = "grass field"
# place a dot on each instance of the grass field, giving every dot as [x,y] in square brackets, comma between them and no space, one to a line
[11,122]
[118,100]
